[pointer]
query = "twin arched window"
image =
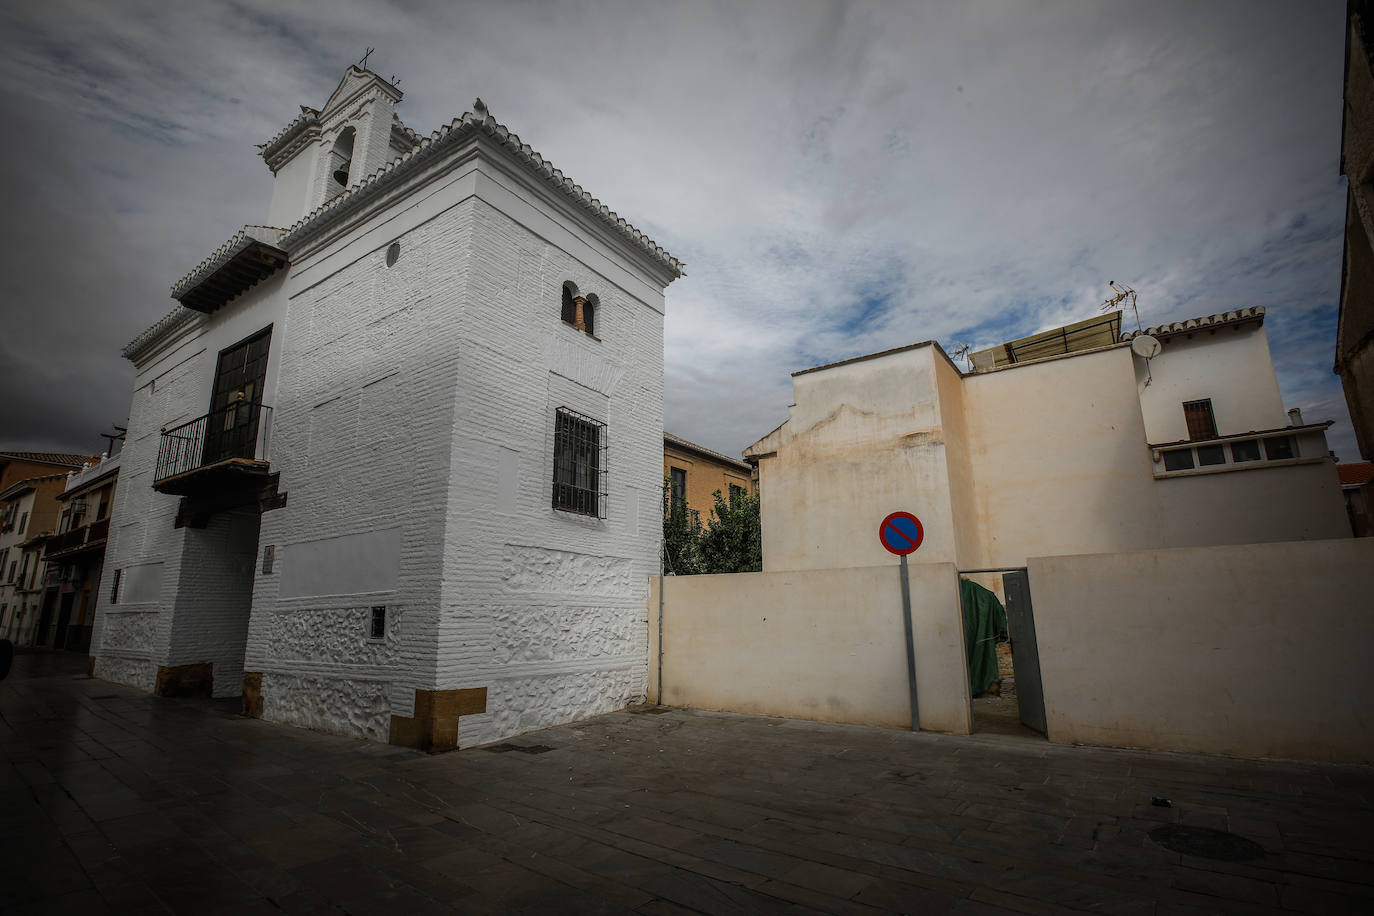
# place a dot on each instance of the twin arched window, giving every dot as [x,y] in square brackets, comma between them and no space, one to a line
[578,310]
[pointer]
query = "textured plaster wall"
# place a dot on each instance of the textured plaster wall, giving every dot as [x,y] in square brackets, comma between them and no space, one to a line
[189,612]
[543,607]
[1255,651]
[354,706]
[416,401]
[363,436]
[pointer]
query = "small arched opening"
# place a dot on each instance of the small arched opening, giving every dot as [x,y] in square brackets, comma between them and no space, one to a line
[589,310]
[341,159]
[569,305]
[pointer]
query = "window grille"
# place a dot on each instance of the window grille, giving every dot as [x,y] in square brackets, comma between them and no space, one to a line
[579,464]
[1201,423]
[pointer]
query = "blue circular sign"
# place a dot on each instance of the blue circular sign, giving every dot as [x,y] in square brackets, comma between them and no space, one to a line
[901,533]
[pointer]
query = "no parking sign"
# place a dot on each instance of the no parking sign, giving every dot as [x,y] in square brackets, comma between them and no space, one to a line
[901,533]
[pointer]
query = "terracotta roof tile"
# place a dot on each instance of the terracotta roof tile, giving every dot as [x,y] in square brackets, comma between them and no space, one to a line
[1355,473]
[61,458]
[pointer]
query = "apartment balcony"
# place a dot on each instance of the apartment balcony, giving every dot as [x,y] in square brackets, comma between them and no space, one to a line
[73,543]
[218,462]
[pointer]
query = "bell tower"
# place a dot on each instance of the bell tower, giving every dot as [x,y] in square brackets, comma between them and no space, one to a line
[323,151]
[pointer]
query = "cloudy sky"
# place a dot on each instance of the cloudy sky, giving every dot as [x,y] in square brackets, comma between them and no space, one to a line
[840,178]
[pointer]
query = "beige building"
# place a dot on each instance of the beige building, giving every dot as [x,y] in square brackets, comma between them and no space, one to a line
[75,557]
[30,483]
[1093,451]
[694,474]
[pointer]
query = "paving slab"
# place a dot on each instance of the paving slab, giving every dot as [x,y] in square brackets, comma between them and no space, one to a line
[115,801]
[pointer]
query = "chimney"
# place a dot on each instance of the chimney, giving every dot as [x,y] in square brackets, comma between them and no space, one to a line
[1294,417]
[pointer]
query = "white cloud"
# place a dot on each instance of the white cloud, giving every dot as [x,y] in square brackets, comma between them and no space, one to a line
[839,177]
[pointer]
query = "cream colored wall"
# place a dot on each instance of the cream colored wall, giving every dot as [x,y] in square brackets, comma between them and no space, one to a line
[828,645]
[1232,366]
[1256,650]
[863,440]
[963,489]
[1059,459]
[1040,459]
[1296,502]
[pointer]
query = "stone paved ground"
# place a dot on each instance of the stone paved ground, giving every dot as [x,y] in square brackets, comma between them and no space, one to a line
[115,801]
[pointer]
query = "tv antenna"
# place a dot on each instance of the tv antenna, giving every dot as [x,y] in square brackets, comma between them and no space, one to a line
[961,352]
[1123,292]
[363,63]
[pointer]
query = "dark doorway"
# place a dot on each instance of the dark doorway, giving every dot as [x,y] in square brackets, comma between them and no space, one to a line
[236,403]
[40,635]
[1013,702]
[64,617]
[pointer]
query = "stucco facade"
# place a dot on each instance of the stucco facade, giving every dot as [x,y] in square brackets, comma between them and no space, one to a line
[1068,455]
[700,472]
[408,564]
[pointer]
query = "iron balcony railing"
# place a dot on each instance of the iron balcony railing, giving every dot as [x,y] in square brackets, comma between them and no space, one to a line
[238,431]
[79,537]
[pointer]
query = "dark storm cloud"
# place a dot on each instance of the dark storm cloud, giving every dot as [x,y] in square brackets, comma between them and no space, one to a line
[839,177]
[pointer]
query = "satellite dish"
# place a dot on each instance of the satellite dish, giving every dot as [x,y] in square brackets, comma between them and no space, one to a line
[1145,345]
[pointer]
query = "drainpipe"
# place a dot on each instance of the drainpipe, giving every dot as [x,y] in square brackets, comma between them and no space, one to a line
[662,545]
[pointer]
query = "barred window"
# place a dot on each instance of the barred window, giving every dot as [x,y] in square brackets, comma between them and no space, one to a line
[579,466]
[1201,423]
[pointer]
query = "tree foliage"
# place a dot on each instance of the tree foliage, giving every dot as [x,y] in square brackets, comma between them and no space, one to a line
[731,541]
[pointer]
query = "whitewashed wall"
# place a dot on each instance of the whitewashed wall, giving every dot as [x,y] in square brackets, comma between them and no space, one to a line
[1231,365]
[132,637]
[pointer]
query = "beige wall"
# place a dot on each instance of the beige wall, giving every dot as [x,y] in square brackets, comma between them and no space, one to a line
[1257,650]
[1038,459]
[864,439]
[828,645]
[1059,459]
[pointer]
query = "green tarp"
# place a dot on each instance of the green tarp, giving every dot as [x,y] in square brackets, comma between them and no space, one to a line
[984,623]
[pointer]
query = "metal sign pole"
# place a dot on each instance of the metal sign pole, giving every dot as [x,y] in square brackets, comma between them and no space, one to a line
[910,648]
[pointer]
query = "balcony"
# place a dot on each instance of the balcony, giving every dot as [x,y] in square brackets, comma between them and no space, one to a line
[77,541]
[218,462]
[225,448]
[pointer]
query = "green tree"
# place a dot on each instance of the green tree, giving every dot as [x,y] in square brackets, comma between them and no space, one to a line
[730,543]
[681,534]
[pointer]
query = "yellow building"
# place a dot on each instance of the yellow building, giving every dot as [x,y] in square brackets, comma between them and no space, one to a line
[694,473]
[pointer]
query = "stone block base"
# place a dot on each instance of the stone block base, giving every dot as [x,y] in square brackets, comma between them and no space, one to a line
[196,680]
[252,694]
[434,727]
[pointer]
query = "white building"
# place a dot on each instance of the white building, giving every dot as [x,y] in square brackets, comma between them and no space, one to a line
[1093,451]
[396,459]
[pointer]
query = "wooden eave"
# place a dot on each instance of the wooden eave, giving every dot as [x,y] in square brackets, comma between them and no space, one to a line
[255,263]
